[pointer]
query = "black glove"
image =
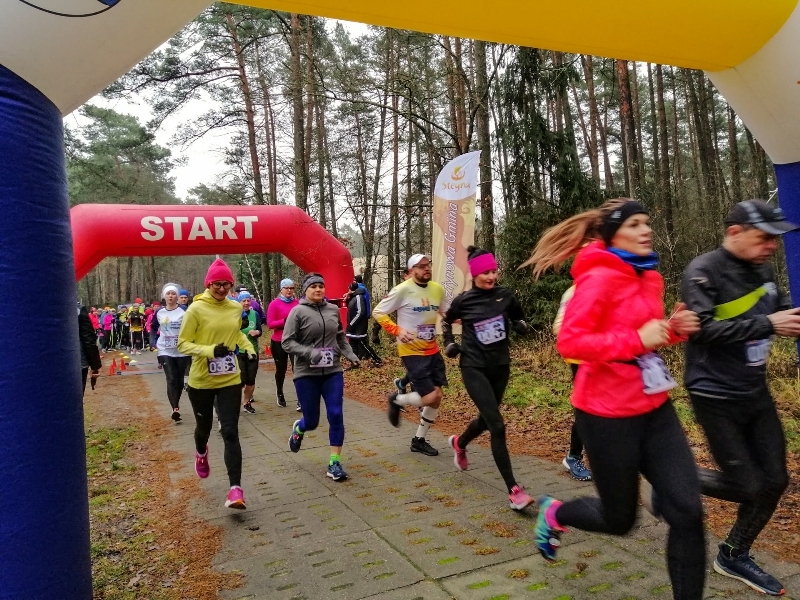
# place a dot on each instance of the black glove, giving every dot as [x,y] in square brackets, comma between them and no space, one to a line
[452,350]
[221,350]
[520,327]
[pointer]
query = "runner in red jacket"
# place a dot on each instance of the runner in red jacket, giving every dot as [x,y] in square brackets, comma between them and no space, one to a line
[614,324]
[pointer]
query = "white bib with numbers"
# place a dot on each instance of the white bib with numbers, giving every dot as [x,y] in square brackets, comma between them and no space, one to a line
[223,365]
[491,330]
[170,341]
[756,352]
[426,332]
[327,358]
[655,374]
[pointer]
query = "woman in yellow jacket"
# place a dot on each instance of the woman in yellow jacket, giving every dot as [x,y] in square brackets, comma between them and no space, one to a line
[210,332]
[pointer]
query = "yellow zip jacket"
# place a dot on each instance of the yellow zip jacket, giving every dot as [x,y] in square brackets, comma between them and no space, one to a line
[209,322]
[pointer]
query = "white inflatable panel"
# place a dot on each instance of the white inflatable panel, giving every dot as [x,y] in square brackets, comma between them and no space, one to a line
[764,90]
[72,49]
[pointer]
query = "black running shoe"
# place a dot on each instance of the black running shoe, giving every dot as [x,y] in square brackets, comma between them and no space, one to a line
[281,400]
[299,408]
[419,444]
[393,410]
[398,383]
[249,408]
[176,415]
[747,571]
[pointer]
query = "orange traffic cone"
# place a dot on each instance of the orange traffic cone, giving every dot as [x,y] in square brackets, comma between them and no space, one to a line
[113,367]
[122,365]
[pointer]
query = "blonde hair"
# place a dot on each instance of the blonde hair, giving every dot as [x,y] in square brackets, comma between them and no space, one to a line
[563,241]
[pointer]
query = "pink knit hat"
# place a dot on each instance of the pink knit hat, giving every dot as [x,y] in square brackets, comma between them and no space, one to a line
[218,271]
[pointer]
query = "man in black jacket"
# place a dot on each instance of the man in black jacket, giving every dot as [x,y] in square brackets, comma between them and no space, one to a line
[358,311]
[741,309]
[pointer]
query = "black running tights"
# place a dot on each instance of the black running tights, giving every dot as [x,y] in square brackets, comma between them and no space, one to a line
[174,368]
[486,388]
[747,442]
[228,401]
[654,445]
[282,359]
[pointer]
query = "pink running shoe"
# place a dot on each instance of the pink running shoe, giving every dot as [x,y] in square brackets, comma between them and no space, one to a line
[459,455]
[518,498]
[201,466]
[235,498]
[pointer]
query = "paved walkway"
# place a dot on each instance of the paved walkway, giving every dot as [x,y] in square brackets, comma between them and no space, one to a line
[406,526]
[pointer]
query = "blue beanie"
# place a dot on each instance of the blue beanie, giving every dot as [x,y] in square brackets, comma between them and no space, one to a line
[286,283]
[244,296]
[183,293]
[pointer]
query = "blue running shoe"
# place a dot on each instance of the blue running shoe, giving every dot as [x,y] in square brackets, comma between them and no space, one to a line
[547,538]
[576,468]
[398,383]
[336,472]
[747,571]
[296,438]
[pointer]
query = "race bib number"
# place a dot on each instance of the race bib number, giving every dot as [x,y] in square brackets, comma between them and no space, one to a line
[426,332]
[491,330]
[655,375]
[756,352]
[170,342]
[327,358]
[224,365]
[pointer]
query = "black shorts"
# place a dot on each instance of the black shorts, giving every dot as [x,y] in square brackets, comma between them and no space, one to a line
[248,369]
[425,372]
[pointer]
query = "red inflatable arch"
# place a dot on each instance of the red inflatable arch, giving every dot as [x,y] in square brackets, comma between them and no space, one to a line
[101,230]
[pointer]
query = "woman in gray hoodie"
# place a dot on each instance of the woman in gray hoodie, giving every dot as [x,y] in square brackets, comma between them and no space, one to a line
[313,333]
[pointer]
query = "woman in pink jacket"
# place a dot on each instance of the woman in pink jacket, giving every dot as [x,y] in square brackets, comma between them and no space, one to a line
[614,325]
[277,311]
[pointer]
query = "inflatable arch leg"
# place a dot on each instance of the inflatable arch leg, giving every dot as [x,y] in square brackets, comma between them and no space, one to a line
[44,519]
[788,176]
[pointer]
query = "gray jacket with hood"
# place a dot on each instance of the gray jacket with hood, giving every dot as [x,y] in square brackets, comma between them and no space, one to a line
[308,328]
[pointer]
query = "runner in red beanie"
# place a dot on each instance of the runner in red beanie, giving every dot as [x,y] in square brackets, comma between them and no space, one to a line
[218,271]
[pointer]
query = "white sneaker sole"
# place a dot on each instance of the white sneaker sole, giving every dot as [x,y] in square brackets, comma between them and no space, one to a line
[451,441]
[336,478]
[722,571]
[520,506]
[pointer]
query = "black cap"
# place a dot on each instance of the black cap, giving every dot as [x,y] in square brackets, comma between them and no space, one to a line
[761,215]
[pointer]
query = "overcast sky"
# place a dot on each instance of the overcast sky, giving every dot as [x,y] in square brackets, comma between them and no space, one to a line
[203,158]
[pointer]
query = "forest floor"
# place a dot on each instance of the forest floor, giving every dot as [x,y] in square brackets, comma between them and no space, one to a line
[539,419]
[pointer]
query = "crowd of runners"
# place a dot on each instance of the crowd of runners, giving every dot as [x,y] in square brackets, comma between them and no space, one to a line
[609,328]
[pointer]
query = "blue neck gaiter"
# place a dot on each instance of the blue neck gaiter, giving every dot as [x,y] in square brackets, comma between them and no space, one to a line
[640,263]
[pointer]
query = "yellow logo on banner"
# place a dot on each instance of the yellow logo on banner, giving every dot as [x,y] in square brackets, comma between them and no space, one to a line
[458,174]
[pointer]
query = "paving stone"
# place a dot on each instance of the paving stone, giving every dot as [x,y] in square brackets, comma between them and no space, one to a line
[464,539]
[345,567]
[588,569]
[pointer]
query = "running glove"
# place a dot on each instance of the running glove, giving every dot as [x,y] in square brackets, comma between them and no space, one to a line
[221,350]
[452,350]
[316,356]
[520,327]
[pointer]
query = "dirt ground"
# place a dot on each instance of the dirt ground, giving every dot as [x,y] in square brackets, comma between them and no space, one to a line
[145,543]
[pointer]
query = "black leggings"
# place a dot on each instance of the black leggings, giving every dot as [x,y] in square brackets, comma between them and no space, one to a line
[136,340]
[174,368]
[282,360]
[654,445]
[362,349]
[228,401]
[747,442]
[575,443]
[486,388]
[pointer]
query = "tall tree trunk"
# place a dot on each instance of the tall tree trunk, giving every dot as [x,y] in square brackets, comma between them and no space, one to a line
[298,124]
[637,120]
[654,130]
[733,157]
[127,297]
[628,128]
[485,145]
[665,189]
[309,106]
[594,118]
[120,292]
[319,110]
[678,176]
